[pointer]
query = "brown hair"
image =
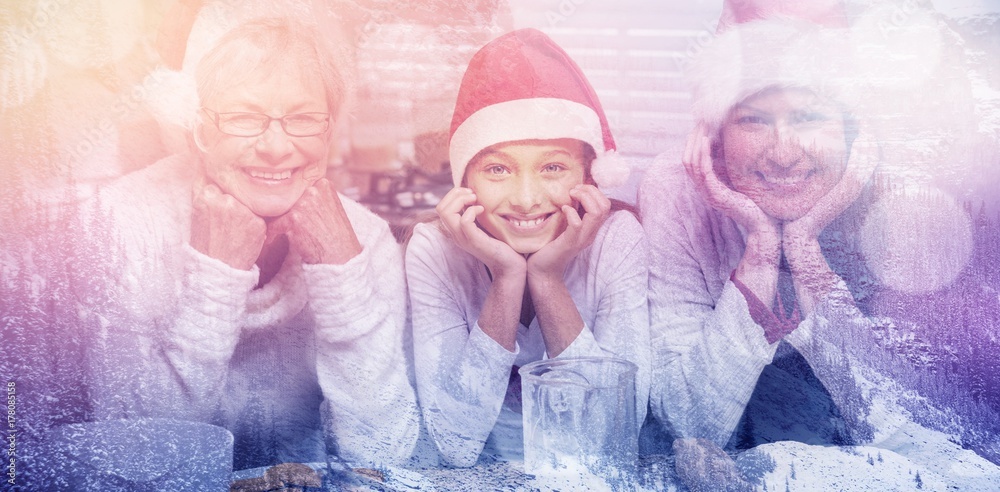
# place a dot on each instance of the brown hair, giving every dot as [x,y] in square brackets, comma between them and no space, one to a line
[588,158]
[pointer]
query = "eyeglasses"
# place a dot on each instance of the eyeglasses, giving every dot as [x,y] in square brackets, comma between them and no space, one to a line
[254,124]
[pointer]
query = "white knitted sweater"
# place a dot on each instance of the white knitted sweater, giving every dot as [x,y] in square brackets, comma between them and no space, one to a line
[186,336]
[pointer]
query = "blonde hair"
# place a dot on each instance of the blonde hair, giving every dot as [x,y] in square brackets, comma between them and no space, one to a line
[265,46]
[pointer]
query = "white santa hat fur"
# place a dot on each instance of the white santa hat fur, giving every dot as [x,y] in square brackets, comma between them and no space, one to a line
[756,51]
[523,86]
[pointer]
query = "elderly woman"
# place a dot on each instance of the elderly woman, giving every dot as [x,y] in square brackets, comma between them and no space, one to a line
[755,274]
[247,292]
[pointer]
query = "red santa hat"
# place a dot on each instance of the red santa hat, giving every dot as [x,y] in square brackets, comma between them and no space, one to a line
[762,44]
[523,86]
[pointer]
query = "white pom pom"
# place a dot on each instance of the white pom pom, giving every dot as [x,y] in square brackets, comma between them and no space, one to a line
[609,170]
[172,97]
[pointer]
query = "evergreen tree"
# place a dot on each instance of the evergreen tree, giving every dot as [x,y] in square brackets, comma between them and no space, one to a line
[746,438]
[755,464]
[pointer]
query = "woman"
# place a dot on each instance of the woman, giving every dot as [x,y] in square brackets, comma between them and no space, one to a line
[529,260]
[756,277]
[751,219]
[249,294]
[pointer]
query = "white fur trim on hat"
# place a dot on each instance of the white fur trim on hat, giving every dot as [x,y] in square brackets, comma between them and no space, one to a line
[777,52]
[540,118]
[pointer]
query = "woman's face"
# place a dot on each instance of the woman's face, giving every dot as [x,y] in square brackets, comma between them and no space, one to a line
[522,186]
[267,173]
[784,149]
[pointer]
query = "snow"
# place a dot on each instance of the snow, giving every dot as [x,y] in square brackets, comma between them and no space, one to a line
[934,454]
[987,104]
[569,472]
[964,8]
[808,467]
[570,475]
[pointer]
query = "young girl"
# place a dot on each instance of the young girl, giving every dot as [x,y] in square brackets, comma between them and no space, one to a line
[529,259]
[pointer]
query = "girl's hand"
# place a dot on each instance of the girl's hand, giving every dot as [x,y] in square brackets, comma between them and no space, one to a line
[552,259]
[558,316]
[225,229]
[317,227]
[735,205]
[458,213]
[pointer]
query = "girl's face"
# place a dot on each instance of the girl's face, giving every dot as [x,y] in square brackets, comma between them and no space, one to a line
[522,186]
[784,149]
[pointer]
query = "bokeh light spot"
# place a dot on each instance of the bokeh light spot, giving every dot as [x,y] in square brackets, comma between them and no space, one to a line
[917,242]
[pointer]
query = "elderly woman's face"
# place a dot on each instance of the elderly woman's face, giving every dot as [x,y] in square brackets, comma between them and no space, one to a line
[784,149]
[268,173]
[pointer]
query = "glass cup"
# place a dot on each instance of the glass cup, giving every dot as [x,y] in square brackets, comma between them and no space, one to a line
[580,428]
[145,454]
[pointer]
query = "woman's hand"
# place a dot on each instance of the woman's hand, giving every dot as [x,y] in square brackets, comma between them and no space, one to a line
[458,213]
[758,268]
[737,206]
[863,160]
[225,229]
[551,261]
[811,273]
[317,227]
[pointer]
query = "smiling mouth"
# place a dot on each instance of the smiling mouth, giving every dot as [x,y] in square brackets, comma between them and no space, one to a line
[522,223]
[785,181]
[271,176]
